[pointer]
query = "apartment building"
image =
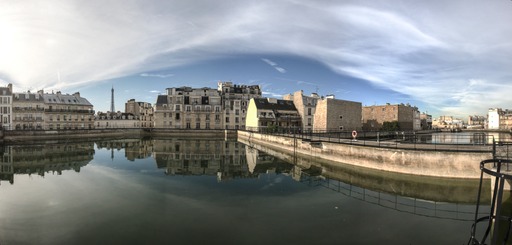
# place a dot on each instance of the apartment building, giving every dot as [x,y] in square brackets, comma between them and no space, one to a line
[235,99]
[6,107]
[67,111]
[306,106]
[426,121]
[407,116]
[189,108]
[116,120]
[142,110]
[272,114]
[28,111]
[477,122]
[499,119]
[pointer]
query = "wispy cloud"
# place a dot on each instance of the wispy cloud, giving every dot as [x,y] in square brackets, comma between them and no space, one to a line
[155,91]
[271,94]
[274,64]
[156,75]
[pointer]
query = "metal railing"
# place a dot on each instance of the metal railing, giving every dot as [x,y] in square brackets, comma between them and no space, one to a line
[416,206]
[477,142]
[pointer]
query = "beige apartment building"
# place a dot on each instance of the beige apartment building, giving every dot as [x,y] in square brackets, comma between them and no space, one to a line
[105,120]
[142,110]
[306,106]
[226,160]
[6,107]
[408,117]
[235,100]
[67,111]
[426,121]
[499,119]
[28,111]
[337,115]
[205,108]
[189,108]
[272,114]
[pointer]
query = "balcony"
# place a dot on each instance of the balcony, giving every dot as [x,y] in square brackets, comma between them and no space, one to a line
[69,111]
[27,109]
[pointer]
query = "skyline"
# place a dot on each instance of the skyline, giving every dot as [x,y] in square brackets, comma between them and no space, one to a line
[446,58]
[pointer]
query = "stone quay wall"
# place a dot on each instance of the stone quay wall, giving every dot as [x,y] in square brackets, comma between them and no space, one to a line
[416,162]
[35,135]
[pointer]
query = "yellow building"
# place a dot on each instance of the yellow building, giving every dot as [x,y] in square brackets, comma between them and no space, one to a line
[272,114]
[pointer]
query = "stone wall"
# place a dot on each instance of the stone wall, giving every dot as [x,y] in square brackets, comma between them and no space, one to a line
[416,162]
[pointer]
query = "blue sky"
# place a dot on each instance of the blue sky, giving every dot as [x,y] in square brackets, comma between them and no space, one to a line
[446,57]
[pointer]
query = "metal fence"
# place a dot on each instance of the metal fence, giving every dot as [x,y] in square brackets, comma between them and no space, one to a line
[416,206]
[475,142]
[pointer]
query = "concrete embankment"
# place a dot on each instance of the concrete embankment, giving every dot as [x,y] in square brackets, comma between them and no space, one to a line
[416,162]
[24,136]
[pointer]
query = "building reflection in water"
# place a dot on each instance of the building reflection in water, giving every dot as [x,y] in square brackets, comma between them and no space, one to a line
[50,157]
[229,160]
[225,159]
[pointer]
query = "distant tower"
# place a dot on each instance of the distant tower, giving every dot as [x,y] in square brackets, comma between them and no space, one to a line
[112,108]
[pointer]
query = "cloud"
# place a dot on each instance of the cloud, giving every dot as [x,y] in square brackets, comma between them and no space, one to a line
[274,64]
[155,91]
[156,75]
[271,94]
[428,50]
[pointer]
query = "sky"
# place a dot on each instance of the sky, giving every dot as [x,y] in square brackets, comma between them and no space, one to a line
[445,57]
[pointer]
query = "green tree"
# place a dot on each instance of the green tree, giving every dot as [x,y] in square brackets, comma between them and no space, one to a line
[390,126]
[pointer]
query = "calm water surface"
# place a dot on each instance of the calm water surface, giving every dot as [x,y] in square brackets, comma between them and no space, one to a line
[214,192]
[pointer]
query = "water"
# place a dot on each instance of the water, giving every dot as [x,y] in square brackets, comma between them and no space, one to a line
[215,192]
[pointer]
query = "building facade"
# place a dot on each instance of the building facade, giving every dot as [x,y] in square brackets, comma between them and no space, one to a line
[306,106]
[407,116]
[499,119]
[477,122]
[272,114]
[189,108]
[67,111]
[28,111]
[426,121]
[143,110]
[235,100]
[105,120]
[337,115]
[6,107]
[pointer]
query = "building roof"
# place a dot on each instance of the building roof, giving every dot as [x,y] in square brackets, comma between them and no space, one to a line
[161,100]
[29,97]
[70,99]
[265,104]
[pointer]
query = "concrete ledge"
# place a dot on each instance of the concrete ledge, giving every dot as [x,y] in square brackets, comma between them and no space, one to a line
[416,162]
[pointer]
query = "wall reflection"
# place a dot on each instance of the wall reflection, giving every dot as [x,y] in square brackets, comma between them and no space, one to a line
[227,160]
[50,157]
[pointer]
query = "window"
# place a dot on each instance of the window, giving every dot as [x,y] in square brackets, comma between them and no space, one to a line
[227,119]
[309,121]
[188,125]
[341,127]
[198,125]
[178,108]
[237,120]
[309,111]
[237,112]
[188,108]
[177,116]
[341,117]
